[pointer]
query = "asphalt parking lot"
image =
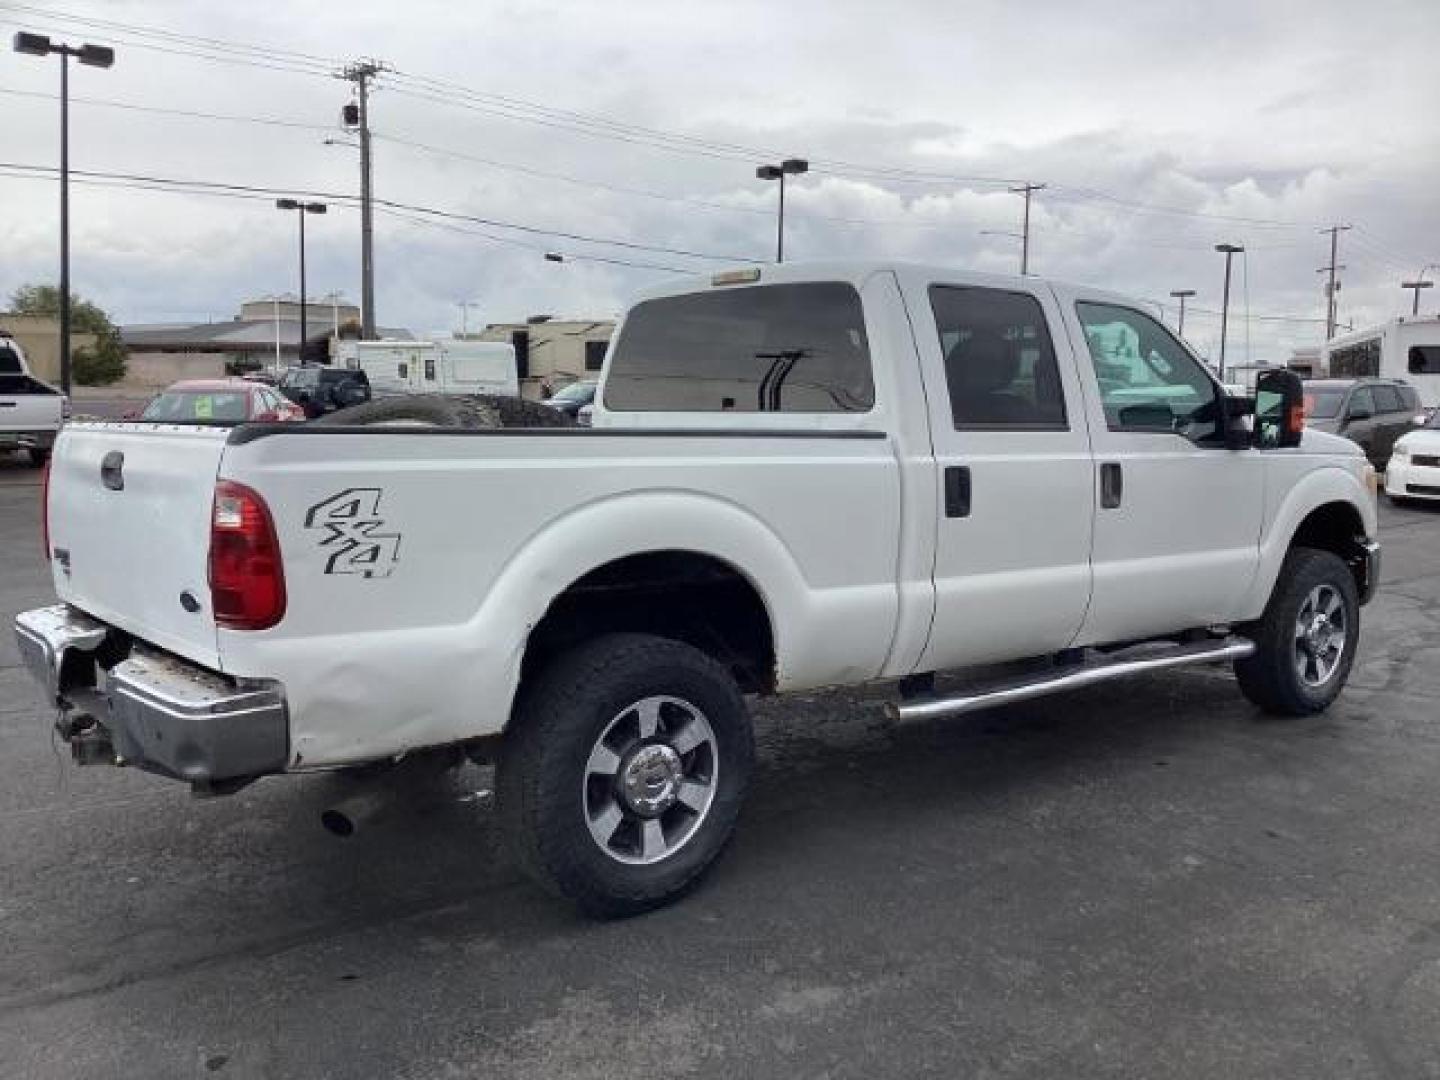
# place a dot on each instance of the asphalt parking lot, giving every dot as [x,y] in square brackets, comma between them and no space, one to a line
[1144,880]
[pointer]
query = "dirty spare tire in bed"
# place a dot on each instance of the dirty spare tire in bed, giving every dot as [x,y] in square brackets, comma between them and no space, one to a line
[433,410]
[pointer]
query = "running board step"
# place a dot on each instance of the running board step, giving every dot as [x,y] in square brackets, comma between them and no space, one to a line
[1073,677]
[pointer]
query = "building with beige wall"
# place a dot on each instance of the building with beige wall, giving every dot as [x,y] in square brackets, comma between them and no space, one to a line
[39,336]
[556,352]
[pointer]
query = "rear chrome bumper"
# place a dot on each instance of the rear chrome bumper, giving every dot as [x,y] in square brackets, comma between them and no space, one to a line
[160,713]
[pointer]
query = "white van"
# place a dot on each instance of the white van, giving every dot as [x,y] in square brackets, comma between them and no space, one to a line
[1401,348]
[434,367]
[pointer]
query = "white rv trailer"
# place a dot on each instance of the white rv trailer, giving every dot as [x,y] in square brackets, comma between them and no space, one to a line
[1402,348]
[433,367]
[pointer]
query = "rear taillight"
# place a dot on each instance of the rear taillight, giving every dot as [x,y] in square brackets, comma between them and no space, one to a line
[247,577]
[45,507]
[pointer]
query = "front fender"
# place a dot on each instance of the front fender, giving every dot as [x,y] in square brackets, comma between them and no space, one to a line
[1329,484]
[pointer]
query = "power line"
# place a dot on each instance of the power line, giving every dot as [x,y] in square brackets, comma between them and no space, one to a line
[210,186]
[269,121]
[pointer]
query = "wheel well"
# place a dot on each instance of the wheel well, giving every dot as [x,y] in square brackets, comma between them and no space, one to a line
[693,598]
[1335,527]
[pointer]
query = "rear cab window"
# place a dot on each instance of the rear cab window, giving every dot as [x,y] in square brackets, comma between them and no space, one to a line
[798,348]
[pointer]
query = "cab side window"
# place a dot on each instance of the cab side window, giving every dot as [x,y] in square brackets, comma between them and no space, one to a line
[999,361]
[1148,380]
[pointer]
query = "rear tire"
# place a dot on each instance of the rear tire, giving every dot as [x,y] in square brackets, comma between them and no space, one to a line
[623,771]
[1306,640]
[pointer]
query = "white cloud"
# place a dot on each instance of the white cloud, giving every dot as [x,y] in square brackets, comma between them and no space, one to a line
[1287,111]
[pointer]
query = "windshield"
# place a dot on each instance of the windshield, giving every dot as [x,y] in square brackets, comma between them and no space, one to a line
[580,391]
[1323,404]
[301,377]
[181,406]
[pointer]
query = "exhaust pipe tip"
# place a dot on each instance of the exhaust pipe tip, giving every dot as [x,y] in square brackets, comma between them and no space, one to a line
[336,823]
[345,817]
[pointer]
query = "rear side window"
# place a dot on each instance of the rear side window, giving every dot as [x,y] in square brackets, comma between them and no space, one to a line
[999,362]
[769,348]
[1386,399]
[1410,398]
[9,361]
[1362,399]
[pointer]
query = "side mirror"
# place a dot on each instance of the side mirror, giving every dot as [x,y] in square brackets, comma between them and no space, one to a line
[1359,412]
[1279,409]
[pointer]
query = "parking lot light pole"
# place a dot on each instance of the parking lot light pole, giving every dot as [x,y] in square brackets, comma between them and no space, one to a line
[301,209]
[1229,251]
[788,167]
[100,56]
[1182,295]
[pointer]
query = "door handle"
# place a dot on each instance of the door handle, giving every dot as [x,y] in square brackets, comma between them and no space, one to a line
[1112,485]
[957,491]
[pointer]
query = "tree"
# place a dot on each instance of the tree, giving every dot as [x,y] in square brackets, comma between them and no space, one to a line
[100,365]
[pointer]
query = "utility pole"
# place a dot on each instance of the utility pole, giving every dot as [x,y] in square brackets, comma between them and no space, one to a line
[1332,286]
[358,116]
[1027,190]
[1182,295]
[1415,286]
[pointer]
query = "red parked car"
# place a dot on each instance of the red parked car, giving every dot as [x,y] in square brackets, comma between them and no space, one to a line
[220,401]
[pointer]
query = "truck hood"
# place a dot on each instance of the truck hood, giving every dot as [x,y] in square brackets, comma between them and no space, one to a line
[1322,440]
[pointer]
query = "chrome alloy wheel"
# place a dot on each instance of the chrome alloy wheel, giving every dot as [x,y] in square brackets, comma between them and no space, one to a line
[650,780]
[1320,631]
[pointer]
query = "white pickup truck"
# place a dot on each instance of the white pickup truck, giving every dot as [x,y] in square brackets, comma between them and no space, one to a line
[798,477]
[31,411]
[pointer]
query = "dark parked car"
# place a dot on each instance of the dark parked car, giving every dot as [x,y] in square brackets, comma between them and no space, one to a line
[571,399]
[319,390]
[1370,412]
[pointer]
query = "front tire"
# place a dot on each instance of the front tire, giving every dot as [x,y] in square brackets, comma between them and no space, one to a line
[623,772]
[1307,638]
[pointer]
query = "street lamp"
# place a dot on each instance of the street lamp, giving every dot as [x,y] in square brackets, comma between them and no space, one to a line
[1418,284]
[1229,251]
[99,56]
[788,167]
[301,209]
[1182,295]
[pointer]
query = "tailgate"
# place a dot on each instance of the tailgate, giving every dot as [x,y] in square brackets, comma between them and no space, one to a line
[131,546]
[33,410]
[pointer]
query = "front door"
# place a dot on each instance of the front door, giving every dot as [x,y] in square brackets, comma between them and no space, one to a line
[1178,518]
[1013,466]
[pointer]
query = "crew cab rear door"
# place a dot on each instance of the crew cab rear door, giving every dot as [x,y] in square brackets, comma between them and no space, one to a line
[1013,467]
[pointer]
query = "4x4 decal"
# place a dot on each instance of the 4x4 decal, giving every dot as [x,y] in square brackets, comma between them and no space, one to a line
[353,533]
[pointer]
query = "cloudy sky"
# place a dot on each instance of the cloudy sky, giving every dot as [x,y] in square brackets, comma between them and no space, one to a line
[1161,127]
